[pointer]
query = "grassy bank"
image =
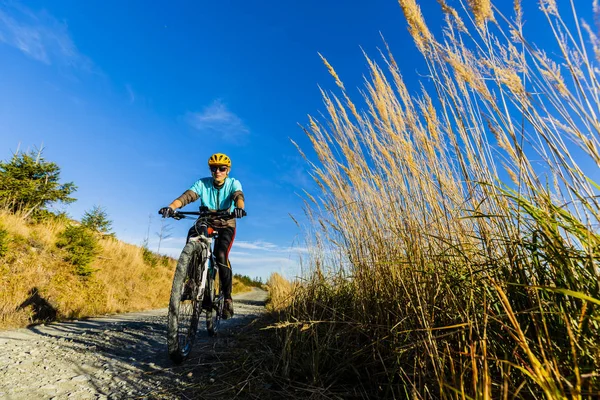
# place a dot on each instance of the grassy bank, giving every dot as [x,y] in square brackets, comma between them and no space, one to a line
[40,283]
[122,280]
[457,226]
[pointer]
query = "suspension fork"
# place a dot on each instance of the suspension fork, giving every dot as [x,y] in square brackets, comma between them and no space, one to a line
[206,242]
[203,269]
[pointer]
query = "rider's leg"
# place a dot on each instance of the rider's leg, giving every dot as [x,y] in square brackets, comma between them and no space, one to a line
[226,283]
[191,232]
[222,247]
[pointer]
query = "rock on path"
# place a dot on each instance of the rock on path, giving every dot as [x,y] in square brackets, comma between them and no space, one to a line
[114,357]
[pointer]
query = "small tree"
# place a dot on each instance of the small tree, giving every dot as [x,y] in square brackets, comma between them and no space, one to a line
[97,219]
[29,183]
[81,246]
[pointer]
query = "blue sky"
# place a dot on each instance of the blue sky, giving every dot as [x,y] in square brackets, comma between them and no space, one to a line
[131,98]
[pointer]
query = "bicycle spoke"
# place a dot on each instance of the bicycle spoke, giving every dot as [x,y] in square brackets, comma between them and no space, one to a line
[186,317]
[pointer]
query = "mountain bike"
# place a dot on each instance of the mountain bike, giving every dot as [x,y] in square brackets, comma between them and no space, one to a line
[195,287]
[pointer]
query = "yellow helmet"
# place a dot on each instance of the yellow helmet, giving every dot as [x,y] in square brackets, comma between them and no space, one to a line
[219,159]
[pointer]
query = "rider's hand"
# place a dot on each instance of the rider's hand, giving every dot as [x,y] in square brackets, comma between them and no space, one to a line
[166,212]
[239,212]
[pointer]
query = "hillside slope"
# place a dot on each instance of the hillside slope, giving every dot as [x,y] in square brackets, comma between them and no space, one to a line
[38,283]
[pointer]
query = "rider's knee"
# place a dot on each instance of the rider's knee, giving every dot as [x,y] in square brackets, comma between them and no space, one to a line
[221,257]
[223,265]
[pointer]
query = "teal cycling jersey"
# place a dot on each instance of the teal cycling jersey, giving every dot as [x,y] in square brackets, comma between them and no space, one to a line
[217,198]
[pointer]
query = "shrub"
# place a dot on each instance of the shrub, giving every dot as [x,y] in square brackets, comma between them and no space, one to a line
[3,242]
[97,220]
[81,246]
[149,257]
[39,216]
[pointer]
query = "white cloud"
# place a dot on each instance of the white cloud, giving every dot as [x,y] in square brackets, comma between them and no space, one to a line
[268,247]
[176,239]
[264,266]
[239,253]
[258,245]
[40,36]
[257,259]
[217,119]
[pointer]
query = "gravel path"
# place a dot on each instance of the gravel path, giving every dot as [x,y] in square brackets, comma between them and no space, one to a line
[121,356]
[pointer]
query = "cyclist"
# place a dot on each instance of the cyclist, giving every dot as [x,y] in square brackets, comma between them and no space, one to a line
[217,192]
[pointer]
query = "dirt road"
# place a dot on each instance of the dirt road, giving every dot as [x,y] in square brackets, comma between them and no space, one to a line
[121,356]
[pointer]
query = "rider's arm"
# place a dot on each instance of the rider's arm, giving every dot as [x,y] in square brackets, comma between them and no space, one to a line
[238,198]
[240,203]
[186,198]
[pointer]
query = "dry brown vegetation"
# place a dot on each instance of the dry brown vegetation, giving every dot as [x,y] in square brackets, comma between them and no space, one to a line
[280,292]
[458,226]
[123,279]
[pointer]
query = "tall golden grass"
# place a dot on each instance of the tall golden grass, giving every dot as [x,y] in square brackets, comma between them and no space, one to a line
[121,281]
[280,291]
[458,227]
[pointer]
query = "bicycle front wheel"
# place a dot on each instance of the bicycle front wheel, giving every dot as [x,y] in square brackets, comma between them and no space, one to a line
[184,306]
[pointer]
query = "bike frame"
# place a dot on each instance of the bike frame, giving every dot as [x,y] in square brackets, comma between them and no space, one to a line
[209,263]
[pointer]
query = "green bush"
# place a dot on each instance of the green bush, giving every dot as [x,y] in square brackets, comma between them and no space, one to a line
[81,246]
[149,257]
[153,259]
[42,215]
[3,242]
[97,220]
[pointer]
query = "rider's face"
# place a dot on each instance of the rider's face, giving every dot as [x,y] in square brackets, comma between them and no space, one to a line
[219,173]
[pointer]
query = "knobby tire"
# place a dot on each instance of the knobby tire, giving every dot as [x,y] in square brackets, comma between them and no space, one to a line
[184,314]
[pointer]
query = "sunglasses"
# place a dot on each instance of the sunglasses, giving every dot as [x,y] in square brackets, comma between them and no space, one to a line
[220,169]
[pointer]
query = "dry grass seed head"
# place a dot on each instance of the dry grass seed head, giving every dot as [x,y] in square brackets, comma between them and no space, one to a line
[338,82]
[416,24]
[549,7]
[509,78]
[482,10]
[452,15]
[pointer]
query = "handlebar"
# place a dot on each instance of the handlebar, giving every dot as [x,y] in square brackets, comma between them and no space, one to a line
[225,214]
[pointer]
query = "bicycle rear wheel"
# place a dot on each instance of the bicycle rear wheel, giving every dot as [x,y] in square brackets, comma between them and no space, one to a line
[184,305]
[213,315]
